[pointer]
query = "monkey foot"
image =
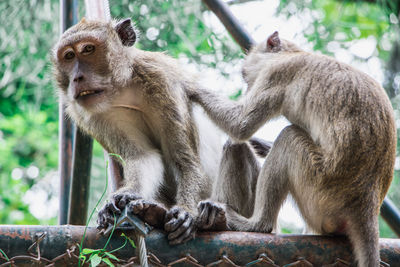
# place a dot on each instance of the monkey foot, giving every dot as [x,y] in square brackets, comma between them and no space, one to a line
[113,208]
[180,226]
[212,216]
[150,212]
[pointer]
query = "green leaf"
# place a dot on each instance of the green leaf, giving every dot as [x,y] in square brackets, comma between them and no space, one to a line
[130,240]
[4,254]
[83,258]
[109,263]
[86,251]
[111,256]
[96,259]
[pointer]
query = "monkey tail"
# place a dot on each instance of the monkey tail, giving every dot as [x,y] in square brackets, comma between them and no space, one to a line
[260,146]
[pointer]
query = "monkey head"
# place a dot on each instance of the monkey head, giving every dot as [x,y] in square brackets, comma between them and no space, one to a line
[269,50]
[91,63]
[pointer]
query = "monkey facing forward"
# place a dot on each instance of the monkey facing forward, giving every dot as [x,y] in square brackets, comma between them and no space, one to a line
[134,104]
[336,159]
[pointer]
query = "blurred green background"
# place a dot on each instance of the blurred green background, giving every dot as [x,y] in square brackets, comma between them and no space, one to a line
[28,102]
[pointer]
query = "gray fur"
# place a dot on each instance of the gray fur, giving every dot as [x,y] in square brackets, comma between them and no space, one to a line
[337,159]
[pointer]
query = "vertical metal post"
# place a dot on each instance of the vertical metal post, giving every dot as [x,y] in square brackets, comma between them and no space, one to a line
[68,17]
[81,165]
[391,215]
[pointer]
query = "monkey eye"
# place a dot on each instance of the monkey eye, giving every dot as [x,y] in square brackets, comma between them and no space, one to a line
[69,55]
[88,49]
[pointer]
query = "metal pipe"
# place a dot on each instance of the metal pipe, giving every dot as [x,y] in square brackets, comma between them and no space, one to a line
[69,16]
[81,165]
[388,210]
[208,247]
[391,215]
[239,33]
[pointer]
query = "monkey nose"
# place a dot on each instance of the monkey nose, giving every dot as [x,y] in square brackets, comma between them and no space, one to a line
[78,78]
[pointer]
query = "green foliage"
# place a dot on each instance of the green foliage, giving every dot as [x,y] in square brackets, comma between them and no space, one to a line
[177,27]
[28,140]
[341,21]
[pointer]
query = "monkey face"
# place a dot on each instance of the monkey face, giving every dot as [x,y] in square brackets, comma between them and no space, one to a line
[88,60]
[85,67]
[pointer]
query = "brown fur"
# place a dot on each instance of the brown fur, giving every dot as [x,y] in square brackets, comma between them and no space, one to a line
[159,142]
[336,159]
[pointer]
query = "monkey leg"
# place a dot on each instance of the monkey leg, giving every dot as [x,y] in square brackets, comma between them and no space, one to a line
[292,152]
[235,187]
[363,232]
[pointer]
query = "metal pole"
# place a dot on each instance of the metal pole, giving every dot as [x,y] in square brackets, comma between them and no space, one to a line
[242,37]
[391,215]
[208,248]
[239,33]
[81,165]
[69,13]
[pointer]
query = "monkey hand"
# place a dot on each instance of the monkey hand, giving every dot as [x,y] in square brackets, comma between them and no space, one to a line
[212,216]
[113,208]
[180,225]
[150,212]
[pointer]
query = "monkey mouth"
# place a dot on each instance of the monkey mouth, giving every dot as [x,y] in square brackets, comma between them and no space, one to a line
[87,93]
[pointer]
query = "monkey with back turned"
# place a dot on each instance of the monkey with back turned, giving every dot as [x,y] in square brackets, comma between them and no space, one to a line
[134,104]
[336,159]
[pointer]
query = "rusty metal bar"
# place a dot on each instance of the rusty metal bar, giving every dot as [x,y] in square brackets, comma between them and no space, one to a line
[388,210]
[238,247]
[81,165]
[239,33]
[391,215]
[69,16]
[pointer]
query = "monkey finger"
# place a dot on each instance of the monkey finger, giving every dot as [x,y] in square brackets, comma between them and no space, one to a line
[172,213]
[136,206]
[205,218]
[186,236]
[112,208]
[181,229]
[125,199]
[174,223]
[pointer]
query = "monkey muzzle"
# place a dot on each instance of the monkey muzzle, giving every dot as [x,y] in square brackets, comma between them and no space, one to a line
[85,93]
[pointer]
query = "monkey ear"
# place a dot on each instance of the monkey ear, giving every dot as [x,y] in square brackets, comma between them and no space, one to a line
[273,42]
[126,32]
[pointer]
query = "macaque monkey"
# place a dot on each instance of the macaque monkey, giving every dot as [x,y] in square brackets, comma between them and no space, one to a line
[336,159]
[135,105]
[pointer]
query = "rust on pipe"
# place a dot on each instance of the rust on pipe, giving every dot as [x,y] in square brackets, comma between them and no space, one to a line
[208,247]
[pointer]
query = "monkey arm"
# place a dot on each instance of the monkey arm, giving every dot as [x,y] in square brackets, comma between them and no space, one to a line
[243,118]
